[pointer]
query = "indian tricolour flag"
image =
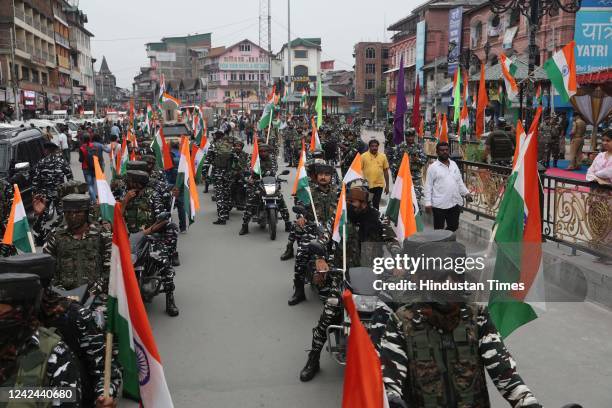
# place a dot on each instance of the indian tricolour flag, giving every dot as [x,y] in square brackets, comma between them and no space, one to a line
[315,142]
[255,165]
[17,229]
[340,221]
[106,200]
[149,118]
[143,373]
[403,207]
[162,150]
[301,187]
[355,171]
[561,70]
[185,181]
[266,116]
[166,97]
[508,70]
[464,124]
[518,237]
[200,157]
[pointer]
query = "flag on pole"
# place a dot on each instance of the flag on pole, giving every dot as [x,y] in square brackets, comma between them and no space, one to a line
[518,237]
[465,88]
[363,381]
[464,124]
[400,106]
[403,207]
[162,87]
[508,70]
[301,186]
[266,116]
[421,130]
[200,158]
[169,98]
[520,139]
[561,70]
[17,228]
[255,164]
[315,142]
[416,105]
[162,150]
[185,181]
[444,129]
[143,373]
[538,95]
[122,159]
[149,118]
[106,199]
[340,220]
[355,171]
[304,99]
[319,103]
[483,101]
[457,95]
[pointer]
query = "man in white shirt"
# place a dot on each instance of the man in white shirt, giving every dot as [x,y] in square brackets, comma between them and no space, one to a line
[444,190]
[62,142]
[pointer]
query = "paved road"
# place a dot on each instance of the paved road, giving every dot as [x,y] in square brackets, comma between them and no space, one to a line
[236,342]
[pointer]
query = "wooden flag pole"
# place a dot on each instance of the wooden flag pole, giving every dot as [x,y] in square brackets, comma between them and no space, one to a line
[314,211]
[108,355]
[270,123]
[344,251]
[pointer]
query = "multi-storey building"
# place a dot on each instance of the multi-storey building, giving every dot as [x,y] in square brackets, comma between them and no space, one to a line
[176,57]
[235,76]
[305,62]
[82,64]
[61,32]
[371,60]
[106,85]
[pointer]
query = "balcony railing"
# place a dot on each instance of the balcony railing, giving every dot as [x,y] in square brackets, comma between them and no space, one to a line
[19,14]
[21,45]
[37,25]
[29,19]
[61,40]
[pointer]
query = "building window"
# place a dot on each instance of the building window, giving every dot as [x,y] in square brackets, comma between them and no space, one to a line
[242,76]
[25,74]
[385,68]
[370,53]
[233,76]
[35,78]
[245,47]
[301,54]
[385,53]
[227,94]
[370,84]
[43,77]
[476,34]
[370,68]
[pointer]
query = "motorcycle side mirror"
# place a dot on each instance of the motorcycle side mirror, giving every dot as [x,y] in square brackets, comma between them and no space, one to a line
[76,294]
[22,167]
[316,248]
[284,173]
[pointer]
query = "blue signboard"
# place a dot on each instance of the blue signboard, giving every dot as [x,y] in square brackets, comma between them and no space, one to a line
[593,35]
[420,50]
[454,38]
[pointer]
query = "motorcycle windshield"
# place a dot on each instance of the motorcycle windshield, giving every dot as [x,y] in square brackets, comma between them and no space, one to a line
[362,281]
[268,180]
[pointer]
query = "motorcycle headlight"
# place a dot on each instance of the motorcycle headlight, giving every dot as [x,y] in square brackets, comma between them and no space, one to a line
[365,304]
[270,189]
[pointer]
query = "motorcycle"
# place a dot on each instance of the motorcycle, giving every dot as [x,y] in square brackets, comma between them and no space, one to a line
[238,194]
[266,214]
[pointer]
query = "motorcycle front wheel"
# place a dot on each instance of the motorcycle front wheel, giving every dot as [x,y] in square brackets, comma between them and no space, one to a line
[272,220]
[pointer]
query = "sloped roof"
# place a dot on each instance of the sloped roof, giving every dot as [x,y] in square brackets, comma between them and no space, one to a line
[104,66]
[216,51]
[305,42]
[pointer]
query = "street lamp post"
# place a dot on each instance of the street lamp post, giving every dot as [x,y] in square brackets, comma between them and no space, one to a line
[533,10]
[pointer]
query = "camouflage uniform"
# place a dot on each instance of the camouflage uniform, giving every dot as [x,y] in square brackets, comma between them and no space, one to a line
[85,338]
[221,159]
[352,148]
[268,166]
[389,145]
[418,159]
[158,183]
[80,261]
[240,164]
[49,175]
[292,146]
[6,201]
[417,372]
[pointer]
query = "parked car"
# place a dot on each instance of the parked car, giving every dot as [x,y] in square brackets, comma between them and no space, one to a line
[20,149]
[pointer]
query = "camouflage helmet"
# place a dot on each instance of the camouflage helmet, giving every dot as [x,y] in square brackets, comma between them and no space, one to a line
[237,141]
[410,132]
[72,187]
[148,158]
[76,202]
[137,165]
[358,190]
[264,147]
[138,176]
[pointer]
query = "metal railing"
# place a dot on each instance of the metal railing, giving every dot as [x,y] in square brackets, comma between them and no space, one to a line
[19,14]
[575,213]
[21,45]
[29,19]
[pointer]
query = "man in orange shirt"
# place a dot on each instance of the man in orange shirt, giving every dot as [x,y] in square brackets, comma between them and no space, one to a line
[375,167]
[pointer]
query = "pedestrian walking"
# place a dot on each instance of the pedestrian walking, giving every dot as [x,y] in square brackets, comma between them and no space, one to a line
[86,153]
[444,190]
[62,142]
[375,168]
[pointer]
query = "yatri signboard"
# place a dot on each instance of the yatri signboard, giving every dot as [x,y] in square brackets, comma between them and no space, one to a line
[593,35]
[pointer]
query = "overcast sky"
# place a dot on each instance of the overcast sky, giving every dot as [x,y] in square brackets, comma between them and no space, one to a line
[122,27]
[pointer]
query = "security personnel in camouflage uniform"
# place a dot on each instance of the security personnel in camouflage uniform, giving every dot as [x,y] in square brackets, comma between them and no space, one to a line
[81,248]
[221,159]
[434,352]
[293,145]
[324,198]
[417,157]
[32,355]
[141,208]
[6,202]
[500,145]
[550,138]
[389,145]
[240,164]
[217,137]
[268,166]
[351,146]
[364,228]
[76,325]
[49,174]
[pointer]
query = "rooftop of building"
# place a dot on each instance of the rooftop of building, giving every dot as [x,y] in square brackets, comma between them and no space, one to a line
[304,42]
[187,39]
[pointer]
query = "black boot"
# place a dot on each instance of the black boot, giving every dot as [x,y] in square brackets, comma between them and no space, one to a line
[287,226]
[298,293]
[171,308]
[175,259]
[288,254]
[312,366]
[244,229]
[219,222]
